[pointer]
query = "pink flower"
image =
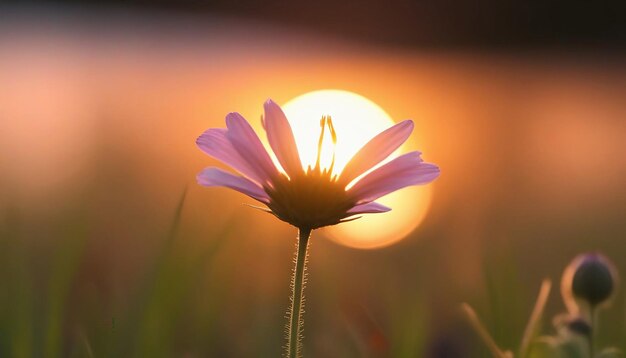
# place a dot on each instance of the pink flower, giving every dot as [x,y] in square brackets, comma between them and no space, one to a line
[315,197]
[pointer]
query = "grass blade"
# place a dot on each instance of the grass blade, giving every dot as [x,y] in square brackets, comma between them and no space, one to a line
[535,317]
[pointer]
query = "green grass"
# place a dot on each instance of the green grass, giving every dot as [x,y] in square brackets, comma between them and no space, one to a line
[197,296]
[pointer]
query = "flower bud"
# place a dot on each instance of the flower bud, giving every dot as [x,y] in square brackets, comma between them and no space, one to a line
[566,324]
[590,278]
[579,326]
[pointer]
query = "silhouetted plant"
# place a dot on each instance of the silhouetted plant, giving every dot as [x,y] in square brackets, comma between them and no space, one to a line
[587,285]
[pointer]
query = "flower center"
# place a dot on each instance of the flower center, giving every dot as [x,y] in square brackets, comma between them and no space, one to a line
[313,198]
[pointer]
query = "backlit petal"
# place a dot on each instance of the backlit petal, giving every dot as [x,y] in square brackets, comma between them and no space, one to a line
[406,170]
[218,177]
[249,146]
[215,143]
[376,150]
[280,137]
[370,208]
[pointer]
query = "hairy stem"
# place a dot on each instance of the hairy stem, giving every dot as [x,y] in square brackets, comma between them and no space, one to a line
[297,295]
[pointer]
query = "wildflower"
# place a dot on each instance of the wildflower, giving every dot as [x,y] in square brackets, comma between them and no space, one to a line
[316,196]
[590,278]
[588,283]
[313,197]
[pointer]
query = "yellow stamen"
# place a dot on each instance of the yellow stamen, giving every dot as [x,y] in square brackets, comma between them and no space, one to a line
[326,121]
[333,136]
[320,142]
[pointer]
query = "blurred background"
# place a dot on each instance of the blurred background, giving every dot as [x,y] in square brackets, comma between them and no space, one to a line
[108,247]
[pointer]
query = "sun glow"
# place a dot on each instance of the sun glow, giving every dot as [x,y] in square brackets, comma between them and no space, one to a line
[356,120]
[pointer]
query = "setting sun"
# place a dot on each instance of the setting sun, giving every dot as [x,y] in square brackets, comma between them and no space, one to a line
[356,120]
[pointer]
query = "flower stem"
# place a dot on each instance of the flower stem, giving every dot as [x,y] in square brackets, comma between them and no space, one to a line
[592,322]
[297,295]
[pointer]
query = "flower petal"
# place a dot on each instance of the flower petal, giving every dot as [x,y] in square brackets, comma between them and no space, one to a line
[376,150]
[281,139]
[370,208]
[249,146]
[218,177]
[408,169]
[215,143]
